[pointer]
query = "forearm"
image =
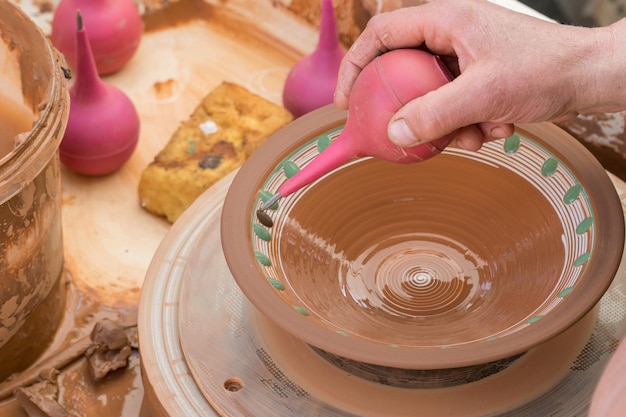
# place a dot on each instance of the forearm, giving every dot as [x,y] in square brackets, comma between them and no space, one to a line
[604,69]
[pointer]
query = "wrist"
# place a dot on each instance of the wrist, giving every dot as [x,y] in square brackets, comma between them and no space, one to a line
[603,68]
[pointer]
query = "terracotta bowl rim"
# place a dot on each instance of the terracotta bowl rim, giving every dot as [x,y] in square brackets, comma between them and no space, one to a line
[239,256]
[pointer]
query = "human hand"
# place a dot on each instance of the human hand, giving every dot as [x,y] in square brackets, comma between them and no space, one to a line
[509,68]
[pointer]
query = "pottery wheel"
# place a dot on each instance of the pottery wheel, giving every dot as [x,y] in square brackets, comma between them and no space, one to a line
[206,352]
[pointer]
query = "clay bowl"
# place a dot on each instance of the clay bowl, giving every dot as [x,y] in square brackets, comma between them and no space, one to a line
[464,259]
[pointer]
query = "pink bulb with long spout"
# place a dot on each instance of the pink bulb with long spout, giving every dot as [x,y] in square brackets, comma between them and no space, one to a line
[385,84]
[311,82]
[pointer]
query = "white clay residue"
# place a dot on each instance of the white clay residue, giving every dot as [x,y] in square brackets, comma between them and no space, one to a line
[208,127]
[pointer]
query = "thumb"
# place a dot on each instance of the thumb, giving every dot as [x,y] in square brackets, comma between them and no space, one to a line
[437,113]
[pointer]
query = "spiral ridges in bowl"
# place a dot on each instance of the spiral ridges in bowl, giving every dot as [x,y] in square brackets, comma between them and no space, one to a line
[418,255]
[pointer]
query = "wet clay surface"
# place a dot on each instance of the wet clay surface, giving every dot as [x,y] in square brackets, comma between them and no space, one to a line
[90,368]
[31,264]
[403,255]
[23,349]
[31,259]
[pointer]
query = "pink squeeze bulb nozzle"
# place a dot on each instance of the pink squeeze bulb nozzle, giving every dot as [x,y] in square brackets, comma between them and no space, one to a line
[383,86]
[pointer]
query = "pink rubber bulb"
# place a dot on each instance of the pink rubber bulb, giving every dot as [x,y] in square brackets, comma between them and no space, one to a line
[311,82]
[385,84]
[103,125]
[115,31]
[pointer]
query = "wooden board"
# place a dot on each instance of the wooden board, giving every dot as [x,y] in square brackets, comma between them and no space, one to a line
[109,239]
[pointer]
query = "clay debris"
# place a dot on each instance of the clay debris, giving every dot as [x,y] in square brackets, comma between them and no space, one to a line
[41,398]
[112,346]
[108,348]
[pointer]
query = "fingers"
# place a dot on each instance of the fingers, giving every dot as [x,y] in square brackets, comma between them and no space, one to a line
[473,137]
[392,30]
[348,71]
[467,101]
[462,102]
[470,138]
[492,131]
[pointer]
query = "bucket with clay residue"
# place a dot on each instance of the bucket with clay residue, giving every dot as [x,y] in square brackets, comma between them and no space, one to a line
[34,105]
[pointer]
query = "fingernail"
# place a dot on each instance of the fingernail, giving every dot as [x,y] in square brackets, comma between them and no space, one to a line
[400,134]
[497,133]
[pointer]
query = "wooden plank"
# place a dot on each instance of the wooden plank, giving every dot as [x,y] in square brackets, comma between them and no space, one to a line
[109,238]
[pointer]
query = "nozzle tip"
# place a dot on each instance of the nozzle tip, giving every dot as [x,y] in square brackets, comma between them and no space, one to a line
[270,201]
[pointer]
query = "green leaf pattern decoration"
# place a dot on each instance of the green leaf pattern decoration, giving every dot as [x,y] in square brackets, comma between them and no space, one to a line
[547,167]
